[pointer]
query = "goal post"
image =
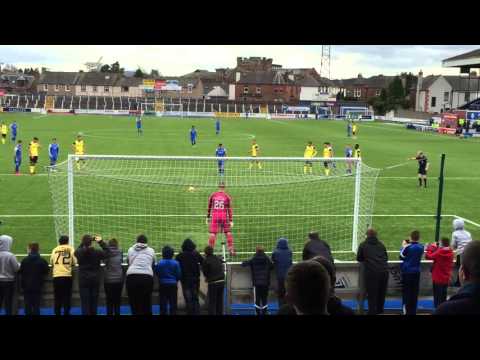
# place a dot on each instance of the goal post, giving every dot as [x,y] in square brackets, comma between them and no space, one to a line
[166,198]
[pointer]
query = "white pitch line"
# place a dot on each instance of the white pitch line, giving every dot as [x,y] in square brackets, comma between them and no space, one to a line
[203,215]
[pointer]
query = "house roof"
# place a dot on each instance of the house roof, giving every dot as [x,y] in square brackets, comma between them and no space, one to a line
[130,81]
[58,77]
[428,81]
[217,91]
[460,83]
[265,77]
[98,78]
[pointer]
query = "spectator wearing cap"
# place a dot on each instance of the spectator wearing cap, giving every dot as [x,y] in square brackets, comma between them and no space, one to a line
[373,255]
[467,300]
[169,273]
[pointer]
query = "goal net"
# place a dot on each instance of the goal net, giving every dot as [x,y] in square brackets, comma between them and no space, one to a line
[166,198]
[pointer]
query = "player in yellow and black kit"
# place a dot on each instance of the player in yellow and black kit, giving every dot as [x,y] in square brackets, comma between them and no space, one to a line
[254,151]
[33,150]
[309,153]
[79,149]
[4,131]
[327,153]
[62,261]
[356,151]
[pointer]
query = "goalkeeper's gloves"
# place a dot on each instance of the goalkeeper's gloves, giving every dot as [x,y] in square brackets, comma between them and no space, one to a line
[231,223]
[207,220]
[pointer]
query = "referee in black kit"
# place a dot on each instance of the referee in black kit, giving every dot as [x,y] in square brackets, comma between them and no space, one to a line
[422,168]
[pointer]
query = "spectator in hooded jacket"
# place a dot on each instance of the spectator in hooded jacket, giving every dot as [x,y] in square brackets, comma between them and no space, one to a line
[373,254]
[214,272]
[89,260]
[282,260]
[190,262]
[308,288]
[442,257]
[411,253]
[460,239]
[315,246]
[62,261]
[9,267]
[113,278]
[169,273]
[467,300]
[141,260]
[33,270]
[261,266]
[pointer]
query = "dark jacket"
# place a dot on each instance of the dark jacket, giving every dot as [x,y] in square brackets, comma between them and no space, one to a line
[334,308]
[373,254]
[411,256]
[260,266]
[89,260]
[213,268]
[282,258]
[113,266]
[465,302]
[190,261]
[317,247]
[33,270]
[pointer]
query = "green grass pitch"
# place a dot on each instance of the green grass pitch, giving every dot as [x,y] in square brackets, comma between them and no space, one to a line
[398,200]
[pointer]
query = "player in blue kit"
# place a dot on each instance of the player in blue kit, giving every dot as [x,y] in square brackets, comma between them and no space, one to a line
[221,152]
[138,123]
[13,129]
[17,157]
[217,127]
[193,135]
[53,150]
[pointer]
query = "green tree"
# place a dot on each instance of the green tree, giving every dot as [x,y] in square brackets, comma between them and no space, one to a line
[154,73]
[115,67]
[105,68]
[139,73]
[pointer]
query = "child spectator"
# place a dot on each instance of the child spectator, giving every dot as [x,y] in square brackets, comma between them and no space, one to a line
[442,257]
[168,272]
[114,278]
[190,261]
[373,254]
[308,288]
[141,260]
[33,271]
[260,266]
[89,260]
[9,267]
[282,260]
[213,270]
[62,261]
[460,239]
[411,253]
[315,246]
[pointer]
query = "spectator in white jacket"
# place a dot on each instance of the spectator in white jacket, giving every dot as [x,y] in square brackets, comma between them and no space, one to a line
[141,260]
[460,239]
[9,267]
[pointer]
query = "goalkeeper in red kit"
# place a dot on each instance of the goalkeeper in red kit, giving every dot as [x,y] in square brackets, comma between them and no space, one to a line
[220,217]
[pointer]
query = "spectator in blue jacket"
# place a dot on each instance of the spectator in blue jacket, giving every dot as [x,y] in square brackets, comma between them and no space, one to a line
[411,254]
[282,260]
[169,273]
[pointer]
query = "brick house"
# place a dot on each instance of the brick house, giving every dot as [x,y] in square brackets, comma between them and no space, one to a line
[361,88]
[96,83]
[267,87]
[17,83]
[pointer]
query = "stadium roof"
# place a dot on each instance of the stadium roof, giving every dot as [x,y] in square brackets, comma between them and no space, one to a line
[468,60]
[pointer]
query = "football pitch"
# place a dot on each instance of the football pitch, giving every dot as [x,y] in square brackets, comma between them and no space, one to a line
[399,206]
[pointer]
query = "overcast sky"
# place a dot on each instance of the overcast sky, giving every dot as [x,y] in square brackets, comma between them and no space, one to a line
[347,60]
